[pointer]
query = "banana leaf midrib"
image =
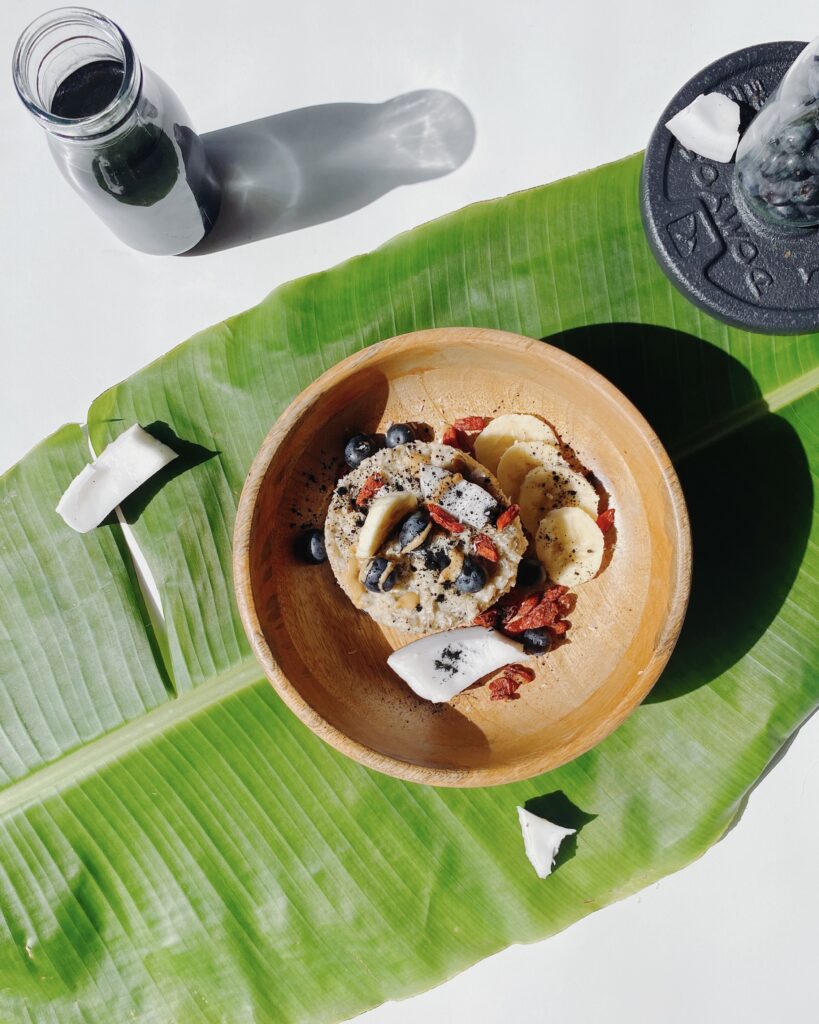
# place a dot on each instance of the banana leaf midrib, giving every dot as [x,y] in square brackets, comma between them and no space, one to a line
[87,759]
[768,402]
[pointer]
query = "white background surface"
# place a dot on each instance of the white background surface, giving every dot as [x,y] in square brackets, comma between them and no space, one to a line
[554,87]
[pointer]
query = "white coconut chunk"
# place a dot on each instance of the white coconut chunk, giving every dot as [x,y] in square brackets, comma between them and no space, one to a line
[708,126]
[125,464]
[432,479]
[469,503]
[439,666]
[541,840]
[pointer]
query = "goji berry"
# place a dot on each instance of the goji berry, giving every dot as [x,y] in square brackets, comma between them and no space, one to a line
[444,519]
[371,486]
[485,548]
[544,615]
[470,423]
[504,688]
[489,618]
[455,439]
[520,673]
[606,520]
[508,516]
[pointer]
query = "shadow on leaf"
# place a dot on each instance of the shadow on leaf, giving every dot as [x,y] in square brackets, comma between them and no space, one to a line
[189,455]
[744,474]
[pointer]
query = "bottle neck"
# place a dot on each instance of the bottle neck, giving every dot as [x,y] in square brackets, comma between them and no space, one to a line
[58,44]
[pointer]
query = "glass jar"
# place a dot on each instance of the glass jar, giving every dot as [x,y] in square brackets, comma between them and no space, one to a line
[777,160]
[117,132]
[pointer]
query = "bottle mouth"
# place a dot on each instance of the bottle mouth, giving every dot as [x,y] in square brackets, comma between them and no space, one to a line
[57,44]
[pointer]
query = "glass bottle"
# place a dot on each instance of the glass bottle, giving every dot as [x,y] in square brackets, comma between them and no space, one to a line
[117,132]
[777,161]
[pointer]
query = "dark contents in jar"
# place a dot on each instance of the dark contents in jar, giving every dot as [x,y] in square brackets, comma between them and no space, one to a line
[151,159]
[88,90]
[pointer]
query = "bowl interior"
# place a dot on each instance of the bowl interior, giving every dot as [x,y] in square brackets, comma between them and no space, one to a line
[328,660]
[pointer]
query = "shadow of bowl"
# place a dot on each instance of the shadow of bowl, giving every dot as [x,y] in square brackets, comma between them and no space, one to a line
[745,476]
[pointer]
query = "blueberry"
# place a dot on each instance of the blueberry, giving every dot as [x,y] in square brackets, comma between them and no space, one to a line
[775,167]
[797,137]
[808,193]
[812,159]
[749,179]
[400,433]
[529,572]
[785,212]
[472,577]
[414,531]
[796,169]
[536,641]
[359,448]
[380,576]
[436,559]
[776,196]
[309,547]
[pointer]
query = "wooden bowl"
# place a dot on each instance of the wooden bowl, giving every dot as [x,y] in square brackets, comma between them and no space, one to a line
[327,660]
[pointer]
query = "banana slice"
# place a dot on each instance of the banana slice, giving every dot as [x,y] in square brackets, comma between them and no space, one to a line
[569,543]
[553,484]
[384,514]
[516,462]
[504,431]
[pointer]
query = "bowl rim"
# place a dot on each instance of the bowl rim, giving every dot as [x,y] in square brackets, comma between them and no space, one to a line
[341,741]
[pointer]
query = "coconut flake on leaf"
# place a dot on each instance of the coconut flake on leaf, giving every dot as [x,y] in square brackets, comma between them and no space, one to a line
[708,126]
[541,840]
[125,464]
[439,666]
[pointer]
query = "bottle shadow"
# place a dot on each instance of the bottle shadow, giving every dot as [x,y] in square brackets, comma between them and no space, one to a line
[304,167]
[745,477]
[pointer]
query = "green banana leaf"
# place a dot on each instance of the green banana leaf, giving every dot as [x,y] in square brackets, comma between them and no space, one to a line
[176,846]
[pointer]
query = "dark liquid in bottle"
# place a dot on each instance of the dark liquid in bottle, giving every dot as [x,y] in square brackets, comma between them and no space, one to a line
[153,159]
[88,90]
